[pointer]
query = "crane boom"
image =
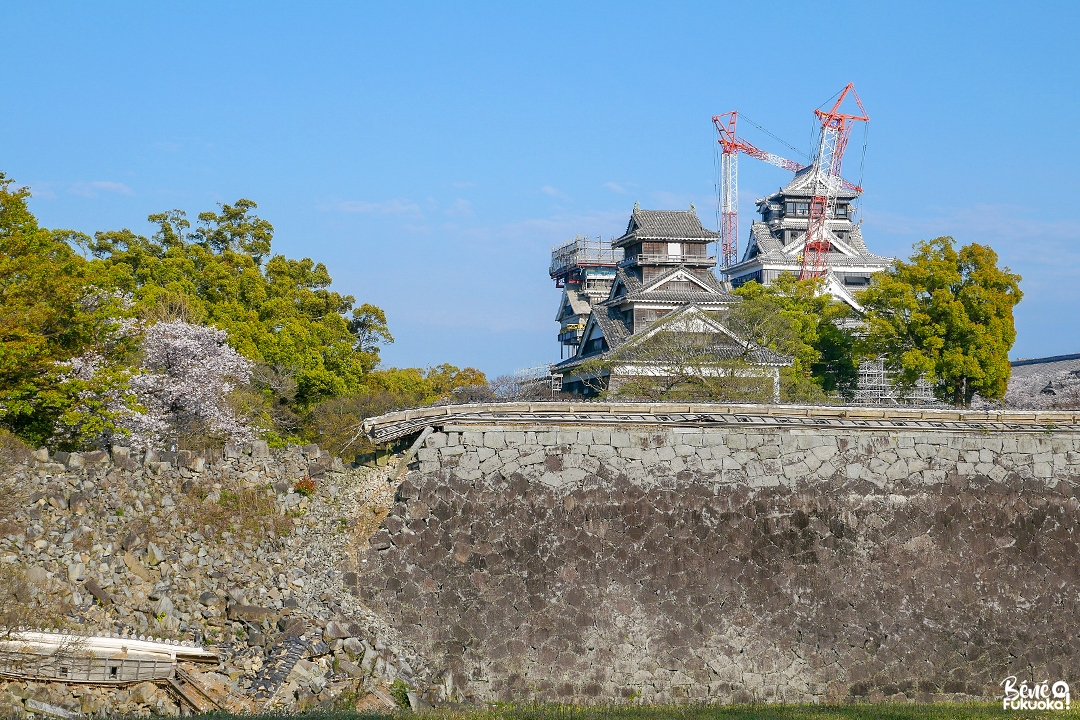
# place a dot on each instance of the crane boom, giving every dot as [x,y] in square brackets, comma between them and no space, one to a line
[783,162]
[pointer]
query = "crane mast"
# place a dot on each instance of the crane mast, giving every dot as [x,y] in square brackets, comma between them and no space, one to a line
[729,187]
[826,180]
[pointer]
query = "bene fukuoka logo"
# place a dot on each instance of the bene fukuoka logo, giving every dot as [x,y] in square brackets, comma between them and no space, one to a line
[1037,696]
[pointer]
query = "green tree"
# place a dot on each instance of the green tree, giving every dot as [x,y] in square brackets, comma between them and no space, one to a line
[947,316]
[54,306]
[277,311]
[796,317]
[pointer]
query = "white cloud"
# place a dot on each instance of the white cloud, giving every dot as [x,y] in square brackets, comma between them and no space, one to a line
[460,208]
[671,201]
[91,189]
[554,192]
[42,191]
[386,207]
[615,188]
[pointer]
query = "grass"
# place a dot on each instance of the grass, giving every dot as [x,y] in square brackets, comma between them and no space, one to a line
[247,512]
[940,711]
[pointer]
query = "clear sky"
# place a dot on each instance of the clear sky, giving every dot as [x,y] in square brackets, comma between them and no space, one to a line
[431,154]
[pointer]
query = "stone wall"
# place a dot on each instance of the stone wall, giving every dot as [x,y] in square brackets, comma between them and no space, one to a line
[724,565]
[213,546]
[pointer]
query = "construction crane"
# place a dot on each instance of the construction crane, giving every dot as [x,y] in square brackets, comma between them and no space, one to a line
[731,145]
[826,181]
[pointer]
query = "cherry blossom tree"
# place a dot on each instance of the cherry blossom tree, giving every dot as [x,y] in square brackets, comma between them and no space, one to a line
[180,389]
[187,374]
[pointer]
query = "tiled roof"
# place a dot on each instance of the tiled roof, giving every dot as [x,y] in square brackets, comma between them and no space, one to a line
[855,241]
[758,355]
[800,186]
[723,347]
[635,290]
[579,302]
[664,225]
[770,250]
[679,296]
[612,325]
[765,240]
[1056,365]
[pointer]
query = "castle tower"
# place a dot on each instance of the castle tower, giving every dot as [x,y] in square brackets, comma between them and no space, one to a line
[585,269]
[777,241]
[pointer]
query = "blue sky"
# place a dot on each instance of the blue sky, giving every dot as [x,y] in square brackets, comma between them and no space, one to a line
[431,154]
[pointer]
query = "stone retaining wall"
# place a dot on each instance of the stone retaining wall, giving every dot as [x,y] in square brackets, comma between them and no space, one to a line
[654,565]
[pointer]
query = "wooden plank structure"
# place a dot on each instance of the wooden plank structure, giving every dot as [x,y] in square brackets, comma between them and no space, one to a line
[89,659]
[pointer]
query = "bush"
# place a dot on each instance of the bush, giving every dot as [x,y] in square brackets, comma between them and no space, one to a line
[400,692]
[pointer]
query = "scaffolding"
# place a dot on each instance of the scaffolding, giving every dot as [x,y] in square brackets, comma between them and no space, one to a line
[582,252]
[538,382]
[875,387]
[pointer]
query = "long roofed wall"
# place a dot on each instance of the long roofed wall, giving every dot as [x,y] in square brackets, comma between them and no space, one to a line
[1045,383]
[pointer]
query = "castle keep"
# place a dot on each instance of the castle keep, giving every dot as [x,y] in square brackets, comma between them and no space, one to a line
[778,240]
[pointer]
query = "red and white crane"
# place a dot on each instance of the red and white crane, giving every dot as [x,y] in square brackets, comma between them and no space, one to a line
[836,129]
[826,181]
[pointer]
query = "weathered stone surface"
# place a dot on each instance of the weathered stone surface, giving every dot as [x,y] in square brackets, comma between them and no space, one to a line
[96,456]
[353,646]
[137,568]
[78,534]
[131,541]
[252,613]
[209,598]
[144,693]
[154,555]
[98,592]
[351,669]
[37,575]
[336,631]
[773,565]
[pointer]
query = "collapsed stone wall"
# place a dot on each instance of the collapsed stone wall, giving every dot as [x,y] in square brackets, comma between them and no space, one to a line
[216,546]
[596,564]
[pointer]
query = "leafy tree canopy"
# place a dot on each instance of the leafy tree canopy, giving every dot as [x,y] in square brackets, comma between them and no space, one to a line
[275,310]
[795,317]
[945,315]
[53,305]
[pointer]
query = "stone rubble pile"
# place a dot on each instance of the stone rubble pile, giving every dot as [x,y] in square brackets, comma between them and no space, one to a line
[214,546]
